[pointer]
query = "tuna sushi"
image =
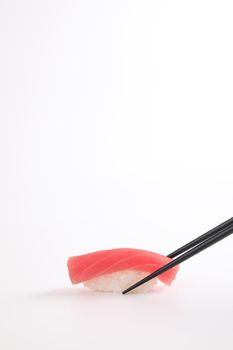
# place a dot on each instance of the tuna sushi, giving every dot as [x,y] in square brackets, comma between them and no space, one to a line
[116,269]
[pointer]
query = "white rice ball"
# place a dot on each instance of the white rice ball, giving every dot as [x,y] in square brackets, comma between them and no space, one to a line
[119,281]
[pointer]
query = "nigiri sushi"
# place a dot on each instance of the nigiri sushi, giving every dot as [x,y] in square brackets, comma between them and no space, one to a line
[114,270]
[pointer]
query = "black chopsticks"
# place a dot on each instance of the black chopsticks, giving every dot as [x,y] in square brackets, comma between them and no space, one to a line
[190,249]
[201,238]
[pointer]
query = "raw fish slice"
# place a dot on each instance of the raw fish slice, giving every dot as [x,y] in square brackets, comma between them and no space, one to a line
[93,265]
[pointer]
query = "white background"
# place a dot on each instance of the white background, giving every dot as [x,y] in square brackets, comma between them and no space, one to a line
[115,131]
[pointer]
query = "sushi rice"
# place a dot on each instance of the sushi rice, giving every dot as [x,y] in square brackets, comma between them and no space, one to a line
[118,281]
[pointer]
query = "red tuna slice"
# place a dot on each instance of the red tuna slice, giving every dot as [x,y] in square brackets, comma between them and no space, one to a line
[85,267]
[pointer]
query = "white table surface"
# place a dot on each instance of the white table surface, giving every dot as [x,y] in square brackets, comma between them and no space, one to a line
[194,313]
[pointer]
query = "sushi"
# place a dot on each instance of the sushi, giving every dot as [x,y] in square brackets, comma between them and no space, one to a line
[114,270]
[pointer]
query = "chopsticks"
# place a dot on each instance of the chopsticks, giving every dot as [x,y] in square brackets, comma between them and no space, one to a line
[201,238]
[190,249]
